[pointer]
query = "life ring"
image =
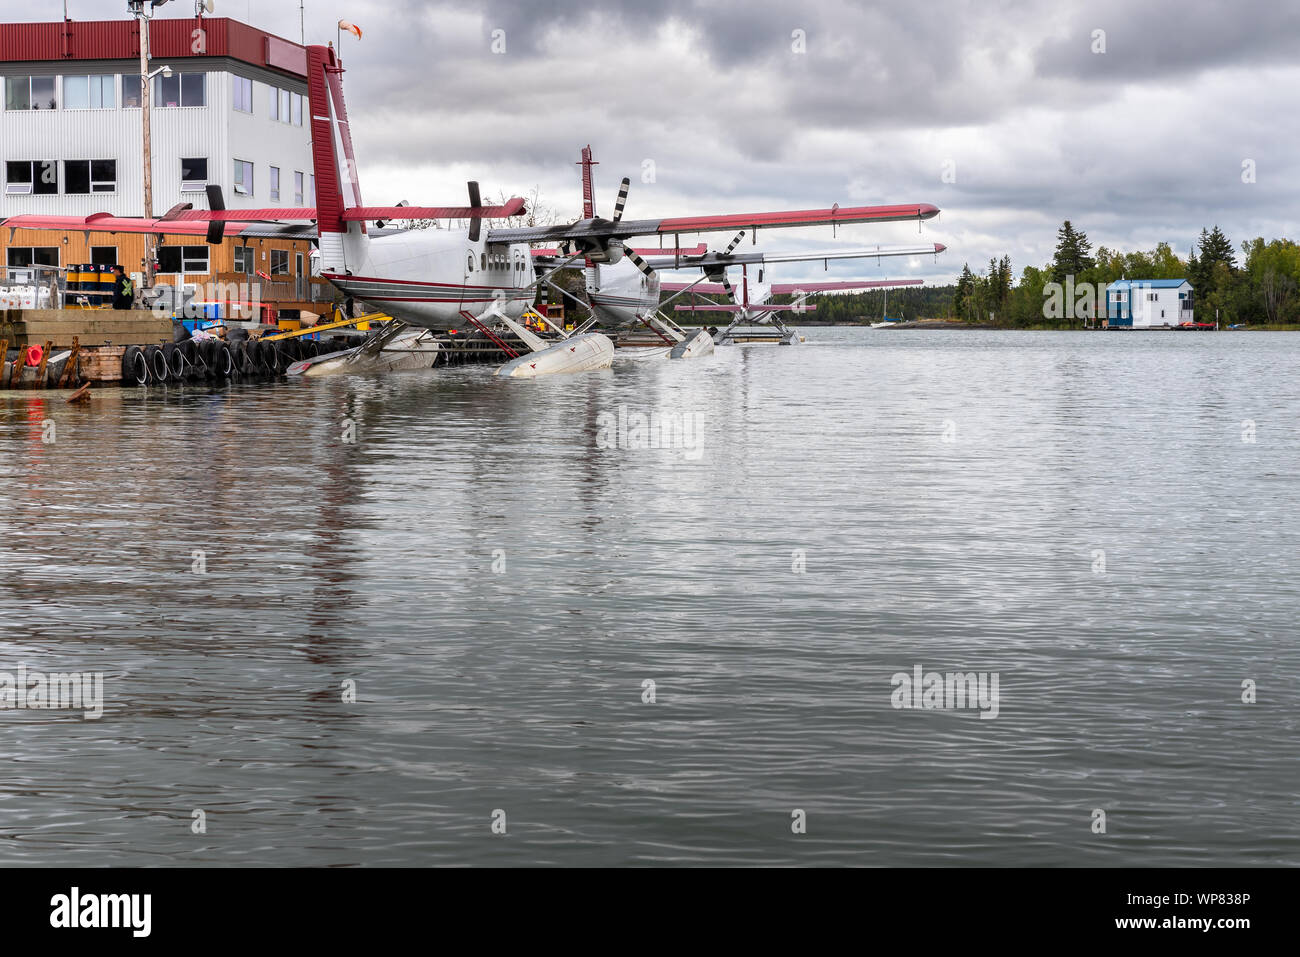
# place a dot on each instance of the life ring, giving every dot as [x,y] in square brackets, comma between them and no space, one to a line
[34,354]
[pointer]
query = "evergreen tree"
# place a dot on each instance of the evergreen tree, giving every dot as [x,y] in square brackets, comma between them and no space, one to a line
[1195,274]
[965,289]
[1211,273]
[1073,253]
[1215,248]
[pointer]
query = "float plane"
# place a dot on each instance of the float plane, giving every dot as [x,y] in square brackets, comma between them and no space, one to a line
[627,294]
[441,279]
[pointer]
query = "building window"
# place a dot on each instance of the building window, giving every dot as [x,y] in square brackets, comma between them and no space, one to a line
[311,190]
[244,257]
[180,89]
[286,107]
[90,176]
[22,257]
[31,176]
[243,178]
[243,94]
[297,188]
[131,87]
[103,255]
[194,174]
[281,105]
[279,262]
[275,183]
[183,260]
[90,92]
[30,93]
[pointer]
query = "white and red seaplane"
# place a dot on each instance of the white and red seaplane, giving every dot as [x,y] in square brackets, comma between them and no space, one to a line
[442,279]
[627,295]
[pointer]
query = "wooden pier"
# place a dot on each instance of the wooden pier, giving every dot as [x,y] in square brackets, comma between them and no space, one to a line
[59,349]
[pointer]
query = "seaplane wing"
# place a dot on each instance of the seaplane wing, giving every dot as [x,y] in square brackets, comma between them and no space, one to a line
[603,230]
[658,260]
[554,252]
[187,221]
[790,288]
[800,288]
[241,225]
[358,214]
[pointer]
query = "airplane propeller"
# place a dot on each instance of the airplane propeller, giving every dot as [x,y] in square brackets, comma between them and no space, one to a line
[216,203]
[734,243]
[638,262]
[605,251]
[622,199]
[475,224]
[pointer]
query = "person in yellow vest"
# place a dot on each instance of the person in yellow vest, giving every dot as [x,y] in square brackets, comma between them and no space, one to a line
[123,289]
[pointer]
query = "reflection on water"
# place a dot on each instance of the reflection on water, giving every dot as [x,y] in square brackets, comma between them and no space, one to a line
[498,588]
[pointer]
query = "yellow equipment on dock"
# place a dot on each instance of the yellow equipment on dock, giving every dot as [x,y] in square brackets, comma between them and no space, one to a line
[361,322]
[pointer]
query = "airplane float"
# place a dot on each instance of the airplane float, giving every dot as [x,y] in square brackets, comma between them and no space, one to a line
[441,279]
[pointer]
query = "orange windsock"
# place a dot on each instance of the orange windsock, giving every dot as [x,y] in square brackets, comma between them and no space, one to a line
[350,27]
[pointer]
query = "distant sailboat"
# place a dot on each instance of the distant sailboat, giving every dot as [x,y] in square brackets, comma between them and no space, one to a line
[884,318]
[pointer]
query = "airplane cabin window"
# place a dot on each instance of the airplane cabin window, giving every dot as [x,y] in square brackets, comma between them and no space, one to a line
[483,256]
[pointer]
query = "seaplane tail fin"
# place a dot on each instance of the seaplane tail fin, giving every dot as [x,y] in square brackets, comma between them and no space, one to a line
[338,189]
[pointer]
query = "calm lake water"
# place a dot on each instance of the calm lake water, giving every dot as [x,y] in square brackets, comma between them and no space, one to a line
[1083,514]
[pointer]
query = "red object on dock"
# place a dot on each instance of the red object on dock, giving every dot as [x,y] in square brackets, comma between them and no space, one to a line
[34,356]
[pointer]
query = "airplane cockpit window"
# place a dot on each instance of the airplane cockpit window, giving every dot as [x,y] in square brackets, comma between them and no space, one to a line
[470,265]
[483,257]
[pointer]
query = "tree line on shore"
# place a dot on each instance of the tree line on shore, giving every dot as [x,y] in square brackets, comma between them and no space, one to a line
[1255,286]
[1257,283]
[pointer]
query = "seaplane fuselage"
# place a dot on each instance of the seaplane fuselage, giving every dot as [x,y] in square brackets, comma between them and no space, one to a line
[622,293]
[429,277]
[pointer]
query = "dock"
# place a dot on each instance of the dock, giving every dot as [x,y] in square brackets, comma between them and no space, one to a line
[56,348]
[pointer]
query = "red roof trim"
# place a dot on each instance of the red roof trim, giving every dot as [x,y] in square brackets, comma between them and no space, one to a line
[171,39]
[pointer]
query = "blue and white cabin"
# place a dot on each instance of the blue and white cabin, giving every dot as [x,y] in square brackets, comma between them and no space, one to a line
[1148,303]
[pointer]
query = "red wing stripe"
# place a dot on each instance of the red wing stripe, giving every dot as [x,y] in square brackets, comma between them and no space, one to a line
[699,250]
[703,288]
[801,217]
[104,223]
[295,213]
[786,288]
[512,207]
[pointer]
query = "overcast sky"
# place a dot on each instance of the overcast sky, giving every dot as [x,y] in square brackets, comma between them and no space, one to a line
[1000,113]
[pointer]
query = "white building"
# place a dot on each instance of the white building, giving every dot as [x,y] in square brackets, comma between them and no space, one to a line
[1148,303]
[232,113]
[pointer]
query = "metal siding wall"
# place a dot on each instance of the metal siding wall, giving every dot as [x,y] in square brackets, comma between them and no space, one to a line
[31,41]
[104,39]
[215,131]
[265,143]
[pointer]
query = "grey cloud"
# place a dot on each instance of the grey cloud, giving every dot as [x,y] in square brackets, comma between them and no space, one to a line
[1144,142]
